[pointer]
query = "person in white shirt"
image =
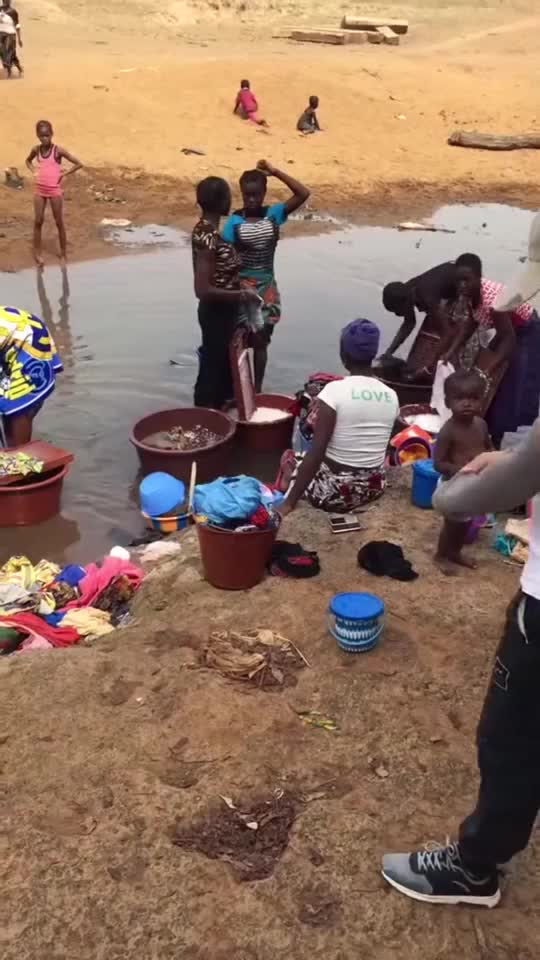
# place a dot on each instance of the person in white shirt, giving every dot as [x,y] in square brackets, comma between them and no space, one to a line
[10,37]
[345,467]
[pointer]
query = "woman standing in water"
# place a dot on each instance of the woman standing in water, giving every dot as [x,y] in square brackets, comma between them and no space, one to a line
[28,367]
[216,267]
[254,230]
[49,177]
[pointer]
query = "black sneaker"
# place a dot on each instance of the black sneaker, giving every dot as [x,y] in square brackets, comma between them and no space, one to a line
[437,875]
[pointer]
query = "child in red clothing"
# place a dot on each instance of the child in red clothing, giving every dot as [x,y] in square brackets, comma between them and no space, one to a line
[49,176]
[246,105]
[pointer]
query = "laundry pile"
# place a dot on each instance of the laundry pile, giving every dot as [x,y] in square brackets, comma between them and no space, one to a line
[178,438]
[240,503]
[13,463]
[43,606]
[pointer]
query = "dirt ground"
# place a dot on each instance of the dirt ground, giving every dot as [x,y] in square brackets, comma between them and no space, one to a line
[127,86]
[110,753]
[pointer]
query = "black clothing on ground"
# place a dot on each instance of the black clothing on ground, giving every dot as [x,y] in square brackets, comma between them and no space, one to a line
[383,558]
[291,560]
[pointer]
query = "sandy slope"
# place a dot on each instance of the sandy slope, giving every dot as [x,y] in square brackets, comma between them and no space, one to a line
[128,85]
[104,749]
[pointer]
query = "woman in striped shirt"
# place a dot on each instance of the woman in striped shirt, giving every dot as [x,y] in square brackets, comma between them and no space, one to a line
[254,230]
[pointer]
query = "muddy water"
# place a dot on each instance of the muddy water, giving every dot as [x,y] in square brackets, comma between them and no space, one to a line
[119,323]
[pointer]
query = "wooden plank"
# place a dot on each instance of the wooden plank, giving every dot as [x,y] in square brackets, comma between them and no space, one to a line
[374,36]
[491,141]
[336,37]
[389,36]
[350,22]
[356,36]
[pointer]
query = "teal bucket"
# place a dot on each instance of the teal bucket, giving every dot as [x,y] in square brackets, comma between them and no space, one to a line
[356,621]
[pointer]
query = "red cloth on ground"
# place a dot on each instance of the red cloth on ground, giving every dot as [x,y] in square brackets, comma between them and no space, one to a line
[31,625]
[98,578]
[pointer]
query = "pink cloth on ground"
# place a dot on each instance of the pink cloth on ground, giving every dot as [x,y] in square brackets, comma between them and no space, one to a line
[33,642]
[98,578]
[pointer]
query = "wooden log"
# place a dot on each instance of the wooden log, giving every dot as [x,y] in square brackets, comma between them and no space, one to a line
[356,36]
[336,37]
[374,36]
[491,141]
[350,22]
[389,36]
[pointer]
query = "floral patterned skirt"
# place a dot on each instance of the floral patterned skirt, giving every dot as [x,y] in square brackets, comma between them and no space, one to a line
[344,491]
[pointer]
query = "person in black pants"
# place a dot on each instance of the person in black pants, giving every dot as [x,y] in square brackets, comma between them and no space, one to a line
[509,730]
[216,267]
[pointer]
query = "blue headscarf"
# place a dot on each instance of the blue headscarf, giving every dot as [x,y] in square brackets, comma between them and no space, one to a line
[360,341]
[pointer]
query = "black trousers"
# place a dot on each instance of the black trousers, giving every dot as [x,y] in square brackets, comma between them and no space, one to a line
[508,746]
[214,383]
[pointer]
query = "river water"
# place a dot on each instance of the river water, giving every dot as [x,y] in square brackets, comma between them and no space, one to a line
[119,322]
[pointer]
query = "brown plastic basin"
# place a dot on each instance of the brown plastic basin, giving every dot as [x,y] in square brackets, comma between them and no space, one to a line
[234,561]
[212,460]
[275,436]
[33,501]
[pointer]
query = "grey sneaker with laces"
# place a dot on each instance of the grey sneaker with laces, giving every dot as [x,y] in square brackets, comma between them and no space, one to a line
[438,875]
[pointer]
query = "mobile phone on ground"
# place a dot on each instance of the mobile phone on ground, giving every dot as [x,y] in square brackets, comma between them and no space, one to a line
[345,524]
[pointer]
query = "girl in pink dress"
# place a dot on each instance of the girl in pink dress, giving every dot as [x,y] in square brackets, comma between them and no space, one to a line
[48,177]
[246,105]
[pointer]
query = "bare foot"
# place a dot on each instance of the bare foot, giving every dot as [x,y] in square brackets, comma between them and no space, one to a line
[39,260]
[287,467]
[463,561]
[445,566]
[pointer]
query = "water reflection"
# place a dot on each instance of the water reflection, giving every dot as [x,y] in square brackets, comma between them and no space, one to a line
[59,327]
[120,322]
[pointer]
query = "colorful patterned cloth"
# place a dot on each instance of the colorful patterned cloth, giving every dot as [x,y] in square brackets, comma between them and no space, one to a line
[307,405]
[344,491]
[256,242]
[489,291]
[205,237]
[29,361]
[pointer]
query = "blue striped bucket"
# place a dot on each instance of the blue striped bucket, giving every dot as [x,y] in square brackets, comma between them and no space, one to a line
[356,621]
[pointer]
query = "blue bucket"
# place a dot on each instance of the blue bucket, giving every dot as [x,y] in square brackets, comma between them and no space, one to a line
[425,480]
[356,621]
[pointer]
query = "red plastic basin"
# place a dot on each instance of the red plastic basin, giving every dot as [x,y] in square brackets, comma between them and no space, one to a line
[25,504]
[274,436]
[212,460]
[234,561]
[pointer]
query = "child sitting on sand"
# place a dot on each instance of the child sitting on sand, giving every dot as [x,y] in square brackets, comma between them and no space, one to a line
[308,122]
[462,438]
[246,105]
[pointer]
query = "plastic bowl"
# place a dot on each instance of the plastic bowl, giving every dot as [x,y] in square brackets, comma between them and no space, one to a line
[211,461]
